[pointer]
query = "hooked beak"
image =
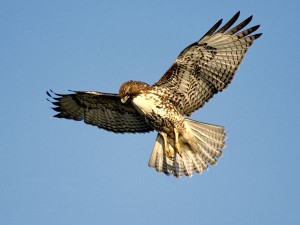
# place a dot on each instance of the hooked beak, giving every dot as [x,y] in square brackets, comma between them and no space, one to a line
[124,99]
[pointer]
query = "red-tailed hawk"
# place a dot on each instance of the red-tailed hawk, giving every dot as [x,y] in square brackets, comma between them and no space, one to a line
[183,146]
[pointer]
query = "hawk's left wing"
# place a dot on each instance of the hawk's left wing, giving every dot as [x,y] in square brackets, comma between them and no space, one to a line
[99,109]
[208,65]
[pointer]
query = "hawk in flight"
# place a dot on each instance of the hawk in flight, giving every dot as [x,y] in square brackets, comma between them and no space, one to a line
[183,146]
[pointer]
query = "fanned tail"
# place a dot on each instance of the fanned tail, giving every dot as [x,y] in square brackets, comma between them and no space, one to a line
[209,141]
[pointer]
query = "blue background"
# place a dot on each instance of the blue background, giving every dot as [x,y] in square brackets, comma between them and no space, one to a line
[55,171]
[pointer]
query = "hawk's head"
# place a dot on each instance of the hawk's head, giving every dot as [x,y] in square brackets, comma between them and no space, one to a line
[131,89]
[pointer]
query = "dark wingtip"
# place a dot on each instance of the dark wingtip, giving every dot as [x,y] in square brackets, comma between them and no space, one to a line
[255,28]
[229,23]
[54,100]
[58,115]
[258,35]
[57,109]
[211,30]
[248,20]
[237,14]
[51,93]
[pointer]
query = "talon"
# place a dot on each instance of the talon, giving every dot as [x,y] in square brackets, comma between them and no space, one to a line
[177,145]
[169,152]
[178,149]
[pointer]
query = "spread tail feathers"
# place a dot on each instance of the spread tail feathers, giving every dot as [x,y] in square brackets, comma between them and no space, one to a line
[210,139]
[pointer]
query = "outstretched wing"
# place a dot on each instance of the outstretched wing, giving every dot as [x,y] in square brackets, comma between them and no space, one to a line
[100,109]
[207,66]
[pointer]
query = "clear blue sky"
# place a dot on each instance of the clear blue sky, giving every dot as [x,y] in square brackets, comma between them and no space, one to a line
[55,171]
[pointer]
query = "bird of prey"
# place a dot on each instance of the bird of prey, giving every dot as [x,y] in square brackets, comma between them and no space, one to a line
[183,146]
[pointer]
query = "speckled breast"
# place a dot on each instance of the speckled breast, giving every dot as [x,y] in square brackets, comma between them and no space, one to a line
[159,112]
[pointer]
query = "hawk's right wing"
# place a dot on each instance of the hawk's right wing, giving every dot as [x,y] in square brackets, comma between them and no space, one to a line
[99,109]
[207,66]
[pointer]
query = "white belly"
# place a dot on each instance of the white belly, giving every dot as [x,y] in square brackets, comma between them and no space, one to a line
[162,115]
[148,104]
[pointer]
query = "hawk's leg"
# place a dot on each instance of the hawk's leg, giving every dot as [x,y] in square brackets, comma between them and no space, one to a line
[177,145]
[169,152]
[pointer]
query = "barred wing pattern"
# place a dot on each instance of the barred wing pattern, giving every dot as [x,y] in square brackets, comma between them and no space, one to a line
[99,109]
[207,66]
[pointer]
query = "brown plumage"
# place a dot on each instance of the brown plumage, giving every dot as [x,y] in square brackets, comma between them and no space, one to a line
[183,146]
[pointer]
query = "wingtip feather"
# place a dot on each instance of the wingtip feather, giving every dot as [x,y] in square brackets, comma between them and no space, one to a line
[229,23]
